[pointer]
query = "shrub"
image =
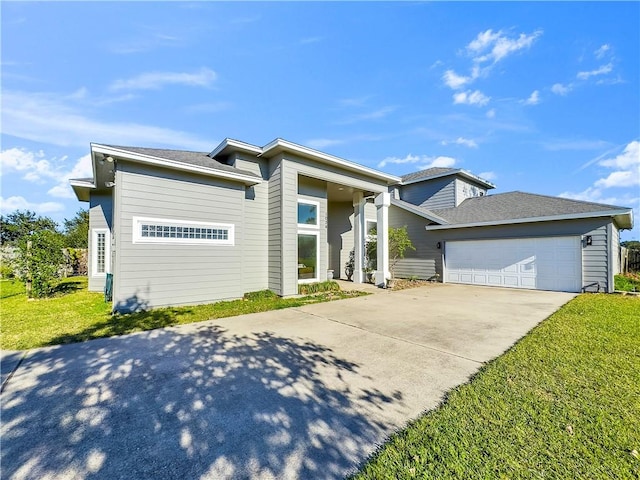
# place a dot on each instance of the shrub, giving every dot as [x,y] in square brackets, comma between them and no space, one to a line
[40,262]
[326,286]
[260,295]
[6,271]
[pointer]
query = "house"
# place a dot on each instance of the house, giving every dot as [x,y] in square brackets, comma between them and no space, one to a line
[178,227]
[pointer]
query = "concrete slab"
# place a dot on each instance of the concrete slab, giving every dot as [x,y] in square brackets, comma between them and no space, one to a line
[297,393]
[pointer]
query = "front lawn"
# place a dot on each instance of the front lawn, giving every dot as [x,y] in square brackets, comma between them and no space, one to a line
[564,402]
[73,314]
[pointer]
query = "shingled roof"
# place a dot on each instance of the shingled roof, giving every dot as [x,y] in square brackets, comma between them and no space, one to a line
[436,172]
[516,206]
[198,159]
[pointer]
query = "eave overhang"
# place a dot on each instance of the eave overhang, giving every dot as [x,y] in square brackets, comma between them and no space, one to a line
[622,217]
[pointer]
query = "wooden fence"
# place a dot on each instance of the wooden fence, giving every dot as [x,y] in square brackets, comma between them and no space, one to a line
[629,260]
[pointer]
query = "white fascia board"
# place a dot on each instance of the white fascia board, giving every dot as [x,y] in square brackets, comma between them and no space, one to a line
[235,145]
[325,157]
[573,216]
[81,183]
[82,189]
[462,173]
[418,211]
[161,162]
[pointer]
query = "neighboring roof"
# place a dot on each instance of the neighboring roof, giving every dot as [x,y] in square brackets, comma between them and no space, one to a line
[421,211]
[438,172]
[521,207]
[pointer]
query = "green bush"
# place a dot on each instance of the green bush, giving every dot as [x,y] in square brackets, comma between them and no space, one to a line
[628,282]
[6,271]
[326,286]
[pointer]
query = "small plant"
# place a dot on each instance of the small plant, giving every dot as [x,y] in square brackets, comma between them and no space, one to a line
[399,242]
[260,295]
[350,265]
[311,288]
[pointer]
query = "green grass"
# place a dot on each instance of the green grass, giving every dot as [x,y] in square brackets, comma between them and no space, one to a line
[629,282]
[564,402]
[73,314]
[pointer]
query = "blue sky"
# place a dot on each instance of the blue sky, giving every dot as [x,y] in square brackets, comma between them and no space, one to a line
[538,97]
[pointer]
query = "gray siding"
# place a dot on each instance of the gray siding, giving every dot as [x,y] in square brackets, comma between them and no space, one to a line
[420,263]
[153,275]
[255,249]
[432,194]
[100,217]
[289,227]
[465,189]
[274,206]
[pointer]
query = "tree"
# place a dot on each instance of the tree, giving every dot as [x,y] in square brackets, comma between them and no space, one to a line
[631,244]
[20,224]
[399,242]
[76,230]
[40,261]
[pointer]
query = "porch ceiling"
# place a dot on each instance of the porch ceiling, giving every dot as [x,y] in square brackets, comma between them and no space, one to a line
[341,193]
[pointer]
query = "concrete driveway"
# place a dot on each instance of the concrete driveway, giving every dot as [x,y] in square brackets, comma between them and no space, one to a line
[298,393]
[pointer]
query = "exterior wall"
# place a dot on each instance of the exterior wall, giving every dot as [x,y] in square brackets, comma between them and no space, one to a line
[291,168]
[100,217]
[465,189]
[431,194]
[595,257]
[422,262]
[274,206]
[255,244]
[153,275]
[615,248]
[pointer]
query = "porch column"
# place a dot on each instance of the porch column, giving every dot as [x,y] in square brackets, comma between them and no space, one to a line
[382,206]
[358,237]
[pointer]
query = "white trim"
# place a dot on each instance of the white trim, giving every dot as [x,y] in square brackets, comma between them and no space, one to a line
[306,225]
[325,157]
[410,207]
[573,216]
[163,162]
[136,225]
[316,233]
[94,252]
[235,144]
[368,237]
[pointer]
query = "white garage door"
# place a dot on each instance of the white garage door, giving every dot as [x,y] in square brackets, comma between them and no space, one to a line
[550,263]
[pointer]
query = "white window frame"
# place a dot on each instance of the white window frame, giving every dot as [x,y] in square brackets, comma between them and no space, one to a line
[107,252]
[368,236]
[315,233]
[305,226]
[137,237]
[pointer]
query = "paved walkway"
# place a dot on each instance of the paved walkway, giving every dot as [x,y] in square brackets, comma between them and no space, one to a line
[298,393]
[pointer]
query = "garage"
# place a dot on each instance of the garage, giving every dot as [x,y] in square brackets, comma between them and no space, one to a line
[544,263]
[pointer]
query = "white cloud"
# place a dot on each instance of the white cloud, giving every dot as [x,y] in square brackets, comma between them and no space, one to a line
[490,46]
[11,204]
[425,161]
[488,175]
[620,179]
[47,118]
[491,113]
[602,51]
[156,80]
[603,70]
[37,168]
[560,89]
[455,81]
[467,142]
[471,98]
[533,99]
[629,158]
